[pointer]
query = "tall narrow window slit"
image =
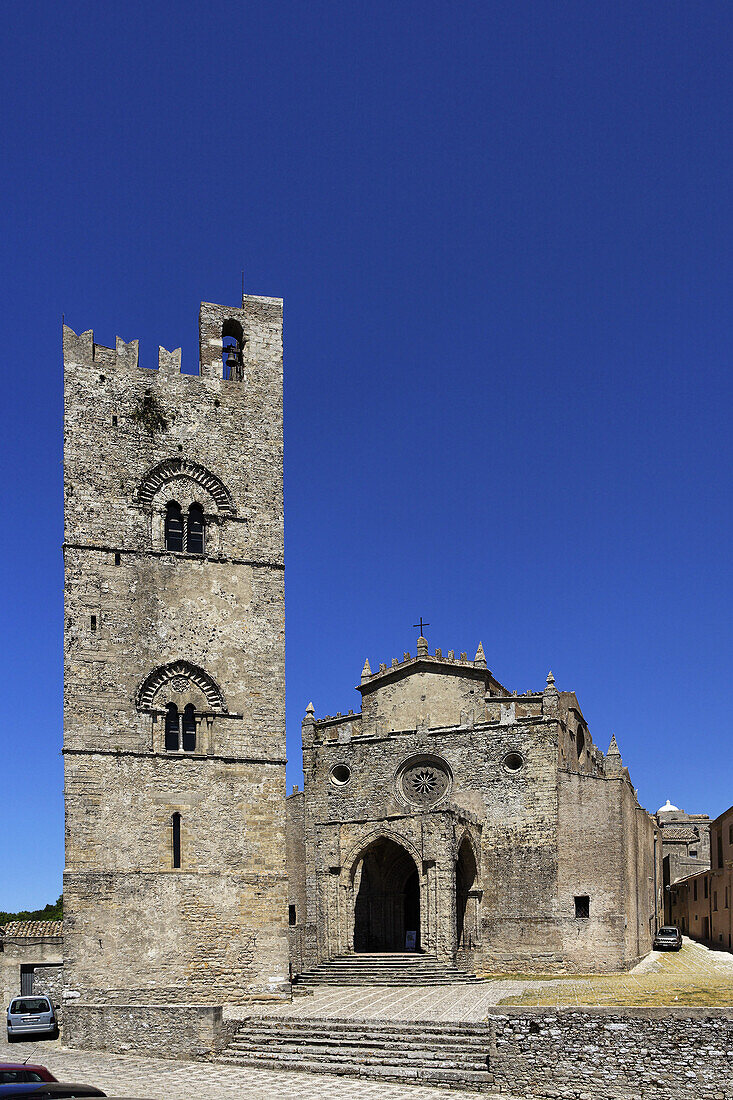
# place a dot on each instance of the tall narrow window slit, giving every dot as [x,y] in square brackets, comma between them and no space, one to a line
[176,830]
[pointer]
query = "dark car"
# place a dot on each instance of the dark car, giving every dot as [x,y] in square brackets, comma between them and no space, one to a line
[668,938]
[47,1090]
[14,1073]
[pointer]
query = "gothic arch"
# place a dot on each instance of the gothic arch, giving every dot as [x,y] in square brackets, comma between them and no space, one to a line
[170,468]
[359,849]
[468,836]
[158,677]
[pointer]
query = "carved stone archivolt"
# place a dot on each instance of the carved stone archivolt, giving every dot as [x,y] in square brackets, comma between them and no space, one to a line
[423,781]
[179,676]
[176,468]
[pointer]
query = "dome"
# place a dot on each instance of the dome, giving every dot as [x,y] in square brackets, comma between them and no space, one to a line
[668,808]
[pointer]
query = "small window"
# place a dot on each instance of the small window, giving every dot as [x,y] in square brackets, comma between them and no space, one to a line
[694,890]
[730,834]
[705,886]
[720,849]
[693,853]
[118,559]
[195,530]
[582,906]
[172,724]
[189,728]
[513,761]
[173,527]
[94,624]
[340,774]
[176,830]
[292,917]
[114,421]
[715,901]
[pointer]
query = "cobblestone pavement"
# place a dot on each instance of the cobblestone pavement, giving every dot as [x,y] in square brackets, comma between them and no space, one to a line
[160,1079]
[447,1003]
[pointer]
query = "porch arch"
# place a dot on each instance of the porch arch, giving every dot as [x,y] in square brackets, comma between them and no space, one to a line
[385,887]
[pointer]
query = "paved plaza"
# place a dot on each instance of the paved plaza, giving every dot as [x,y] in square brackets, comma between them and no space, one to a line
[160,1079]
[694,976]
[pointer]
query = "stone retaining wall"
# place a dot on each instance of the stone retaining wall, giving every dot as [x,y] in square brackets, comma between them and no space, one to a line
[163,1031]
[633,1054]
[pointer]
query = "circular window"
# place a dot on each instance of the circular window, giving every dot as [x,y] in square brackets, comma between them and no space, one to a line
[424,781]
[340,774]
[513,761]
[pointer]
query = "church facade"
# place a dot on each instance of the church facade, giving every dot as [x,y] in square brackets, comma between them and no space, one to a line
[454,817]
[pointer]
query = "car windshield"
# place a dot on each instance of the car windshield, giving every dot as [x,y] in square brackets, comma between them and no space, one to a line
[30,1005]
[667,931]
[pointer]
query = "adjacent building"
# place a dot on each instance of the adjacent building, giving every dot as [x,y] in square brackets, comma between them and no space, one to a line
[31,959]
[701,905]
[455,817]
[685,846]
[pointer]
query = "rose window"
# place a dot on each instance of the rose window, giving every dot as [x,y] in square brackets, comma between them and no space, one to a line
[424,782]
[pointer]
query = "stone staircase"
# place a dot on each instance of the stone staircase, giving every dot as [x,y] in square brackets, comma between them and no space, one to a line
[438,1054]
[393,968]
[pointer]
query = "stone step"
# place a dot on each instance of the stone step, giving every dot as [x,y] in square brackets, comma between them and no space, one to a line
[360,1026]
[325,1042]
[363,1054]
[416,1075]
[447,1054]
[387,969]
[366,980]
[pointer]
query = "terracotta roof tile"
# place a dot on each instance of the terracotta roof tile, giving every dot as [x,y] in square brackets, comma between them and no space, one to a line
[31,929]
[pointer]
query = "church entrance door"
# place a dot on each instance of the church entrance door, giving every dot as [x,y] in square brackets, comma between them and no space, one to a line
[386,899]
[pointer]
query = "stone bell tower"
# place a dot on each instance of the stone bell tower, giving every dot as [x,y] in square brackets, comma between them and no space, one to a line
[174,666]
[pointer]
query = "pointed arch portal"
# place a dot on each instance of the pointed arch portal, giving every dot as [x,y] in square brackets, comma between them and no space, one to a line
[386,899]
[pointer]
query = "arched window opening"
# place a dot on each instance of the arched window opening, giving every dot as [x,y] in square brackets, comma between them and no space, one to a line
[176,830]
[180,729]
[232,338]
[195,530]
[171,728]
[173,526]
[580,741]
[466,906]
[189,728]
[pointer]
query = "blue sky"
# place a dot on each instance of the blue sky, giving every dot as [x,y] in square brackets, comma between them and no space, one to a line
[502,233]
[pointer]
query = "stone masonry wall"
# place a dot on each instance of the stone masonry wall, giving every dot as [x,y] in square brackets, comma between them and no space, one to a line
[161,1031]
[606,853]
[146,626]
[645,1054]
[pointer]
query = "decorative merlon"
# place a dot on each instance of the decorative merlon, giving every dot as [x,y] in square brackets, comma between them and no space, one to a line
[480,658]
